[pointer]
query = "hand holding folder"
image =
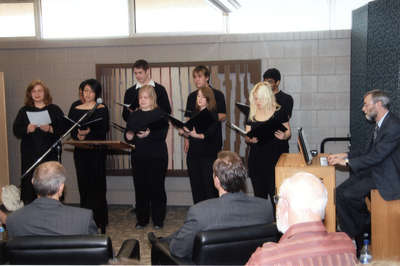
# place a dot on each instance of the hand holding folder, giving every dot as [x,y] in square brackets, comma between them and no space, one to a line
[201,121]
[263,132]
[141,122]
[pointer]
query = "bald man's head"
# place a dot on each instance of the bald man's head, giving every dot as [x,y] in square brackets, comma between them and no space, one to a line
[306,198]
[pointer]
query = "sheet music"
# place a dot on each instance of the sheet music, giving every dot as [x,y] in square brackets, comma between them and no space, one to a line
[235,127]
[39,118]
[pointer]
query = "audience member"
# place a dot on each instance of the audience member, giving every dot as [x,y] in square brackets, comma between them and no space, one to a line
[299,213]
[233,208]
[46,215]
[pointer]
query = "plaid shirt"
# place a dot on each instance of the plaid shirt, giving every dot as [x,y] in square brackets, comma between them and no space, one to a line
[307,244]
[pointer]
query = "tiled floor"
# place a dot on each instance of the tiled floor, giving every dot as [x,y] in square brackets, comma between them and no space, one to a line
[122,226]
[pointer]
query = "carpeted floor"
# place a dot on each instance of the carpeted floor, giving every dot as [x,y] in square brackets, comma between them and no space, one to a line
[122,226]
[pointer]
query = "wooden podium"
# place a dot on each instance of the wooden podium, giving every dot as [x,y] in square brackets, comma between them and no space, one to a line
[100,144]
[291,163]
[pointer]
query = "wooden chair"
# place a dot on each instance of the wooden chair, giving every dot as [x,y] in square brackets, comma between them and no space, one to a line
[385,227]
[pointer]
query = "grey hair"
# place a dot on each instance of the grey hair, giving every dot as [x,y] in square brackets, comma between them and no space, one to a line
[48,178]
[379,96]
[302,195]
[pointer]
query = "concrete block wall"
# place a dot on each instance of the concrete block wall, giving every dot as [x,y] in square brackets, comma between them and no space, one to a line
[315,69]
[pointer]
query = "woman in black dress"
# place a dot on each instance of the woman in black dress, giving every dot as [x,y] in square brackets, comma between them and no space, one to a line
[90,164]
[147,128]
[264,154]
[36,139]
[203,149]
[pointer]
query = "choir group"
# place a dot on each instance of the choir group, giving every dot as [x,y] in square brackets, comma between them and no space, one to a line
[147,112]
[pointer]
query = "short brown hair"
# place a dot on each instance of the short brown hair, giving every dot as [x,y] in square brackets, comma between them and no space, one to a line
[152,93]
[209,95]
[28,94]
[141,64]
[230,171]
[202,69]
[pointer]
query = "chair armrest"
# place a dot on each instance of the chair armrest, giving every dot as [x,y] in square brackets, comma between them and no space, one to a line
[130,249]
[161,255]
[3,252]
[252,232]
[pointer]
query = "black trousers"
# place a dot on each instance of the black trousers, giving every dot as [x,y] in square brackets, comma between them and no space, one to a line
[28,193]
[149,182]
[92,184]
[350,203]
[201,177]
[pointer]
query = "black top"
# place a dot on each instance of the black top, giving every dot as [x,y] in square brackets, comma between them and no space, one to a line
[132,97]
[34,144]
[98,129]
[209,146]
[285,101]
[74,104]
[221,109]
[154,145]
[279,116]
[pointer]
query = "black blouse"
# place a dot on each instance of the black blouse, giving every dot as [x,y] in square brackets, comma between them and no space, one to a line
[154,145]
[279,116]
[98,129]
[210,145]
[34,144]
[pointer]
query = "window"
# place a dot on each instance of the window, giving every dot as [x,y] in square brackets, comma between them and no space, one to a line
[85,18]
[292,15]
[177,16]
[17,20]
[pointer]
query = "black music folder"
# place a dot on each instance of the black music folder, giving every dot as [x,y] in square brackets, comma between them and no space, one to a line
[201,121]
[263,132]
[141,121]
[244,108]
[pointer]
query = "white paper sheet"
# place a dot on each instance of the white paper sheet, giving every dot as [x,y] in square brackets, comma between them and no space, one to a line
[39,118]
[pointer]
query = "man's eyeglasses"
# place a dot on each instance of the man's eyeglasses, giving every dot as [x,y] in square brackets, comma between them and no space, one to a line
[276,199]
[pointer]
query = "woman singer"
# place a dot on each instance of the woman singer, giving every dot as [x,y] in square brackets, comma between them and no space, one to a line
[90,164]
[147,128]
[203,148]
[36,136]
[264,153]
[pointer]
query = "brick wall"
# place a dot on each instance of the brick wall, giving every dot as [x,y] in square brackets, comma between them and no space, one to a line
[315,68]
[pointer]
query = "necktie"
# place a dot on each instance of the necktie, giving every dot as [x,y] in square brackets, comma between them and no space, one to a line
[376,131]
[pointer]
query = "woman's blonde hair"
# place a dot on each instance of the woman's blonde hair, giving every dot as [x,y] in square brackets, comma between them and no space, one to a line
[28,94]
[263,91]
[152,94]
[209,95]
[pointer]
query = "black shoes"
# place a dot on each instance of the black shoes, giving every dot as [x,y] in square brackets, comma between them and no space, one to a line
[140,226]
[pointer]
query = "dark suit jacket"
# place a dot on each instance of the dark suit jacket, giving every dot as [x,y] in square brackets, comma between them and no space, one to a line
[45,216]
[229,210]
[382,158]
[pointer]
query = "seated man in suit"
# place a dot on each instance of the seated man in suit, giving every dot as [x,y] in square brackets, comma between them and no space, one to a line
[233,208]
[46,215]
[299,212]
[377,167]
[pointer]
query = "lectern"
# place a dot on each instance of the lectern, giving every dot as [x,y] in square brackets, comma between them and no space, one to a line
[100,144]
[291,163]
